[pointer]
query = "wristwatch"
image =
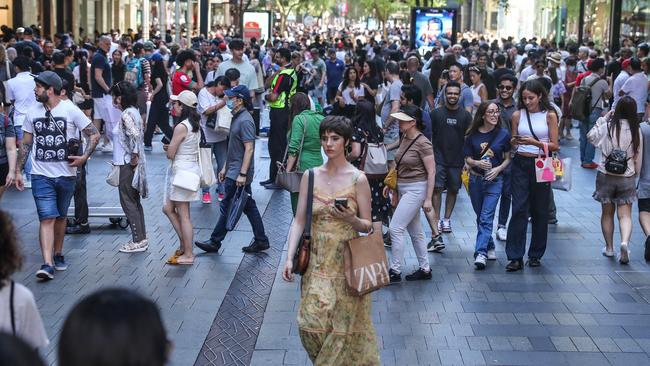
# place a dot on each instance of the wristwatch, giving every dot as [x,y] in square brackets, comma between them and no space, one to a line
[243,175]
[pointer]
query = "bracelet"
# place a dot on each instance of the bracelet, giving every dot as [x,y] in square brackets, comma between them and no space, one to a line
[243,175]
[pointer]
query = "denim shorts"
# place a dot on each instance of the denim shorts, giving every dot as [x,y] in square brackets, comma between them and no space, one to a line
[52,195]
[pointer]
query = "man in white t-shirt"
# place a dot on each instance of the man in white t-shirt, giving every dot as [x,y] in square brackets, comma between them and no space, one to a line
[20,90]
[50,130]
[620,80]
[636,86]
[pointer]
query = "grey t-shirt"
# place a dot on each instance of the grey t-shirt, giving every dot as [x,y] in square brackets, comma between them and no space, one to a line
[242,129]
[6,131]
[394,93]
[247,77]
[597,90]
[643,188]
[319,67]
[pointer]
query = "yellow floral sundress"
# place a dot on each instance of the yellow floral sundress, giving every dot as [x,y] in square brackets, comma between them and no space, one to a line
[335,328]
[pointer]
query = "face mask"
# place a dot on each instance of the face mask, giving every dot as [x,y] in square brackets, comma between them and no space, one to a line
[230,104]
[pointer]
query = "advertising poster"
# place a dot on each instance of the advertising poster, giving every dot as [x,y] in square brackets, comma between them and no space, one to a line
[257,24]
[431,27]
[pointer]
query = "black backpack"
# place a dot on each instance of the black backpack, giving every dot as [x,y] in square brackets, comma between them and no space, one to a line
[616,161]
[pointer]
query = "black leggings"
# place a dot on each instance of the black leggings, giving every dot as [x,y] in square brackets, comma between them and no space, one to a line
[158,116]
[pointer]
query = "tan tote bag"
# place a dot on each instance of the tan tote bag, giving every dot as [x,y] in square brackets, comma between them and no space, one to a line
[366,265]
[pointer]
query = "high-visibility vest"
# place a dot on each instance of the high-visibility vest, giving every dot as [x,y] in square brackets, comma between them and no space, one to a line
[282,101]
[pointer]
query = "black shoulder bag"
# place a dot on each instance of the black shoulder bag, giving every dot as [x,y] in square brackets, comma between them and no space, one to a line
[11,308]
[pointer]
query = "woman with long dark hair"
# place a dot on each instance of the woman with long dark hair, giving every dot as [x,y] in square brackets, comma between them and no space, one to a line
[304,128]
[183,153]
[367,131]
[534,132]
[370,80]
[118,68]
[487,153]
[349,92]
[81,74]
[158,113]
[128,155]
[618,133]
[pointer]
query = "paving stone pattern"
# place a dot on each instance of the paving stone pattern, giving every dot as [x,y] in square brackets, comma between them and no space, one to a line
[232,338]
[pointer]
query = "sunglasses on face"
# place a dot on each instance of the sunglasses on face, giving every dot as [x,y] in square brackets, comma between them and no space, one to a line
[505,87]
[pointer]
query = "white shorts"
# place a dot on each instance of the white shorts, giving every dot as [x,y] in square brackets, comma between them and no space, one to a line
[105,110]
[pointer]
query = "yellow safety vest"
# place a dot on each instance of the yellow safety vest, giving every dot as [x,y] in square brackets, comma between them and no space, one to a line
[282,101]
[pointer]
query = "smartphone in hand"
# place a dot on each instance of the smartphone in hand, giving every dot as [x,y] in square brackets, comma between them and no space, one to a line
[341,203]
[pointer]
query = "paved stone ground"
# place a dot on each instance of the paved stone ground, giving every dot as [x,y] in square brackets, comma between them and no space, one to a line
[578,308]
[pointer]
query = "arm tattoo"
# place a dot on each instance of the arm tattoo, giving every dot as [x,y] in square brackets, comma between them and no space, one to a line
[93,138]
[23,154]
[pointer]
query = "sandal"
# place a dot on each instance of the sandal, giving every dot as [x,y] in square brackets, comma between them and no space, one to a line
[173,260]
[178,252]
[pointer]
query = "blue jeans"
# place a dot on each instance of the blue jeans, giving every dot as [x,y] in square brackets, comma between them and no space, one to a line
[506,197]
[251,211]
[28,161]
[52,195]
[484,195]
[219,151]
[587,149]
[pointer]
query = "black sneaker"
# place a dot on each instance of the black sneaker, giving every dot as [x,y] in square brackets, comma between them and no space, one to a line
[78,229]
[647,249]
[515,265]
[256,246]
[534,262]
[265,182]
[208,246]
[387,242]
[436,244]
[394,276]
[59,263]
[419,275]
[46,272]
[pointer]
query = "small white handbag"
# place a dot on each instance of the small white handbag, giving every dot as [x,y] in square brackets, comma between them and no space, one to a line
[186,180]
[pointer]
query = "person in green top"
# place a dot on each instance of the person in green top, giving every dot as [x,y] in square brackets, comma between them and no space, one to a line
[305,122]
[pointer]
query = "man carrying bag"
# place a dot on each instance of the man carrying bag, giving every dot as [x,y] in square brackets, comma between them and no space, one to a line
[237,173]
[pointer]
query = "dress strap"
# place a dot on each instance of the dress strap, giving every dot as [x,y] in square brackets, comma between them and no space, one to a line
[356,176]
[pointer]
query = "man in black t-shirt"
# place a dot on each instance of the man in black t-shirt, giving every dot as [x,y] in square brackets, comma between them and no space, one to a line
[449,124]
[60,69]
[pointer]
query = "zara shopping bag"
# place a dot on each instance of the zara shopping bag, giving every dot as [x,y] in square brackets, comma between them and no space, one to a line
[366,265]
[237,206]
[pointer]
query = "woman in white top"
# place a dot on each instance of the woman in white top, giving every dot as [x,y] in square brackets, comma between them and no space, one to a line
[616,188]
[183,151]
[19,315]
[128,155]
[534,127]
[349,92]
[479,92]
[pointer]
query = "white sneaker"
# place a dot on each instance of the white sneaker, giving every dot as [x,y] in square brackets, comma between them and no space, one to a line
[132,247]
[492,255]
[108,148]
[608,253]
[502,234]
[100,146]
[480,261]
[624,257]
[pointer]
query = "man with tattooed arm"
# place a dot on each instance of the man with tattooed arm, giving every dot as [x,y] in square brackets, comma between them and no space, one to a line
[51,131]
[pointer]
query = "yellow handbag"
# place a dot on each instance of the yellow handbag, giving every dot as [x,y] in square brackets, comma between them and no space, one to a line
[391,178]
[464,177]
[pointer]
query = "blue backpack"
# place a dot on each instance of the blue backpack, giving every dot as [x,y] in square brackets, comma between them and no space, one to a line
[134,72]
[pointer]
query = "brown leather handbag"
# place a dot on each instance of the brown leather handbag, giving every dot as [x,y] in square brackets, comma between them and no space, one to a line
[301,258]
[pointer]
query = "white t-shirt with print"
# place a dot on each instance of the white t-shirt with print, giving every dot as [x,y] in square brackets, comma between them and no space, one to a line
[49,149]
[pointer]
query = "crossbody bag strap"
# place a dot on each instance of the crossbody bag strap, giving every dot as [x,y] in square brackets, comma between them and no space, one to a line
[302,140]
[49,112]
[407,149]
[600,96]
[487,147]
[530,125]
[11,308]
[310,200]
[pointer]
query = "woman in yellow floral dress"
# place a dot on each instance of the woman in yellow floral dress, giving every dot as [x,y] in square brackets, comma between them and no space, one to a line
[335,327]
